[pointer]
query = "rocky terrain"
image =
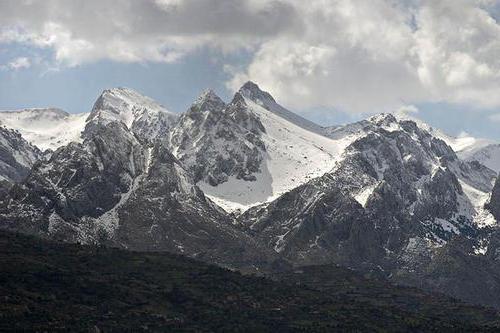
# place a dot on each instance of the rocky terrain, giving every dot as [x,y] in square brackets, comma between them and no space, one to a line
[250,185]
[17,156]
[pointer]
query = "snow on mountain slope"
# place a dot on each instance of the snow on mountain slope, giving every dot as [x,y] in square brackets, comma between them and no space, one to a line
[468,148]
[45,128]
[480,216]
[251,91]
[17,156]
[475,180]
[397,194]
[486,152]
[51,128]
[295,152]
[139,113]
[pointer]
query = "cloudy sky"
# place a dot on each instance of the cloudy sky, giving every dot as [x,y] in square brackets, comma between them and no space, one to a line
[329,60]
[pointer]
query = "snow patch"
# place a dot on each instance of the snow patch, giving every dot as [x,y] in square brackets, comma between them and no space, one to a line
[480,216]
[363,195]
[294,155]
[45,128]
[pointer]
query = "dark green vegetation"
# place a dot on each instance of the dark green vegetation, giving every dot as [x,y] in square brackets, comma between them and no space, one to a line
[47,286]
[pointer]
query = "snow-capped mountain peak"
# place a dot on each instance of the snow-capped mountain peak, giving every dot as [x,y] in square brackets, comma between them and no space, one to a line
[216,141]
[208,96]
[125,105]
[262,151]
[252,92]
[144,116]
[383,119]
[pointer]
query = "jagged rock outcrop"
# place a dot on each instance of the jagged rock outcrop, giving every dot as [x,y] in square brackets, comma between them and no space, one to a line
[493,204]
[215,141]
[17,156]
[79,180]
[143,116]
[251,150]
[167,212]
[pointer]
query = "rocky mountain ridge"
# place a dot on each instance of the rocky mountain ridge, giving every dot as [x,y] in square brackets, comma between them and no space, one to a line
[17,156]
[248,184]
[119,187]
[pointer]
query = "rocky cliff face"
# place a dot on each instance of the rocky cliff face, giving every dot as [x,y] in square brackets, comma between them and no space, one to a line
[167,212]
[216,141]
[143,116]
[17,156]
[79,180]
[251,150]
[493,204]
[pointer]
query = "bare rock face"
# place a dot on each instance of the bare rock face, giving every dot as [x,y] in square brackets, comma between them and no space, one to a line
[17,156]
[79,180]
[215,141]
[494,203]
[403,178]
[167,212]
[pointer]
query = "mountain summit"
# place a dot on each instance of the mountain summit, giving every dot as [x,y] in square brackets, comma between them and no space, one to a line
[248,184]
[252,92]
[145,117]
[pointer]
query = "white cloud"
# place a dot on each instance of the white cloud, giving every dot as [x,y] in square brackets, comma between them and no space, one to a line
[457,43]
[407,110]
[384,54]
[354,55]
[17,64]
[82,31]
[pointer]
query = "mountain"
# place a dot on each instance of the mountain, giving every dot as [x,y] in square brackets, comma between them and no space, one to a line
[254,149]
[486,153]
[397,176]
[45,128]
[17,156]
[467,147]
[249,185]
[51,128]
[142,115]
[80,179]
[493,203]
[251,91]
[48,286]
[216,141]
[119,188]
[396,198]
